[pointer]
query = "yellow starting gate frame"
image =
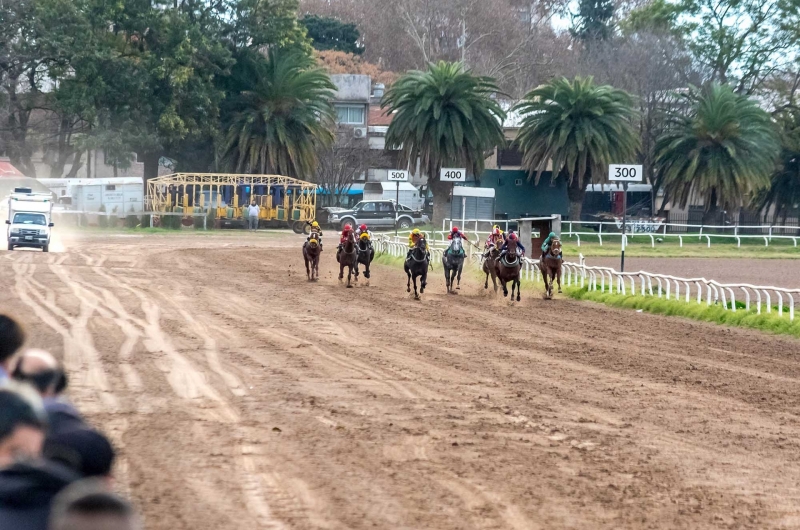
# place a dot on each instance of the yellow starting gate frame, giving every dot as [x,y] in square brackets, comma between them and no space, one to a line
[298,206]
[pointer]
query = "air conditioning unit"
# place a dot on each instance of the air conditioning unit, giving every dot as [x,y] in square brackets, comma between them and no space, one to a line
[360,132]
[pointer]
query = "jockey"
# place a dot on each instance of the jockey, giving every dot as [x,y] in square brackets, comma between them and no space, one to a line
[455,232]
[496,238]
[363,230]
[315,230]
[346,231]
[512,237]
[546,244]
[413,237]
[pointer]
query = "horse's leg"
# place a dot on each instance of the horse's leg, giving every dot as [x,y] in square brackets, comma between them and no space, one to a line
[423,280]
[308,271]
[486,281]
[519,285]
[558,276]
[545,274]
[355,267]
[503,283]
[460,268]
[416,294]
[408,283]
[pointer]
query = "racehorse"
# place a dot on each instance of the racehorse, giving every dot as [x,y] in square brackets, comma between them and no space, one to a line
[311,252]
[452,263]
[348,257]
[416,265]
[508,267]
[550,264]
[365,255]
[490,266]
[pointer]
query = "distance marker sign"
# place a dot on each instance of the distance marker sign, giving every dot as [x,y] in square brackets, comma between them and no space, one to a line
[398,175]
[624,173]
[450,174]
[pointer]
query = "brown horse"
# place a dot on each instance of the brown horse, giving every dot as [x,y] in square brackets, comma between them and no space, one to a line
[311,253]
[508,269]
[490,265]
[348,257]
[550,265]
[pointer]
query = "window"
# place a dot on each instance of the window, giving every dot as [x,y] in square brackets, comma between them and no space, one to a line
[350,115]
[367,207]
[385,207]
[111,187]
[29,219]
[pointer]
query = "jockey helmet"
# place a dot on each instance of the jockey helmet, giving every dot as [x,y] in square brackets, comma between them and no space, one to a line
[315,224]
[415,231]
[363,228]
[454,229]
[347,227]
[496,230]
[512,236]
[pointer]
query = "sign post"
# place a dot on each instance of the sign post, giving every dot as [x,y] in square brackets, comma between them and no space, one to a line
[453,175]
[624,173]
[397,176]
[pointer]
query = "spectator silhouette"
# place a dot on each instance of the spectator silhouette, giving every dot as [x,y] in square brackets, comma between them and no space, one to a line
[88,505]
[12,337]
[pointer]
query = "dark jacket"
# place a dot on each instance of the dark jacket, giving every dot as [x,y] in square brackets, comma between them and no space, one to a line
[62,416]
[27,491]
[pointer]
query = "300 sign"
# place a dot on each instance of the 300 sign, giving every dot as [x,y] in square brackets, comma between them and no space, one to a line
[624,173]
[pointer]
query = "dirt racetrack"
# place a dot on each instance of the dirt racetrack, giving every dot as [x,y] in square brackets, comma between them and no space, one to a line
[242,396]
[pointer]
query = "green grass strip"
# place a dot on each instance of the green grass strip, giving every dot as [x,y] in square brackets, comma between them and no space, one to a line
[769,322]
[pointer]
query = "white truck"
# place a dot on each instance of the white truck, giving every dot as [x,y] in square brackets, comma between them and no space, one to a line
[29,219]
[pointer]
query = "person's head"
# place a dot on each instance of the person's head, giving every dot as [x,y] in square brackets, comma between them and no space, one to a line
[363,228]
[88,505]
[315,225]
[454,230]
[12,336]
[552,235]
[348,228]
[22,423]
[253,202]
[512,236]
[415,232]
[496,230]
[41,370]
[84,450]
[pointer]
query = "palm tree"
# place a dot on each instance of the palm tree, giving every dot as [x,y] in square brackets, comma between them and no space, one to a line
[580,128]
[719,147]
[278,123]
[443,117]
[783,192]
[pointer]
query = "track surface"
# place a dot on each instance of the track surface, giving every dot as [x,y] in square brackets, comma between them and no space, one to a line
[242,396]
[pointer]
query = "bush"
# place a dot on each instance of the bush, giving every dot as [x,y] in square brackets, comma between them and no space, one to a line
[102,218]
[132,220]
[145,221]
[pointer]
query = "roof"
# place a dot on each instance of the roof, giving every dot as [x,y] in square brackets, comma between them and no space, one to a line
[119,181]
[617,187]
[465,191]
[378,116]
[388,186]
[8,170]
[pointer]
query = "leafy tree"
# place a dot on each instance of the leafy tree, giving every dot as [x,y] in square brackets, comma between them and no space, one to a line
[594,20]
[336,62]
[277,124]
[328,33]
[720,147]
[578,127]
[783,192]
[443,117]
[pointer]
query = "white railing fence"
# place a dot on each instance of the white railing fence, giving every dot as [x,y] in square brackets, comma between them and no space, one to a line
[762,299]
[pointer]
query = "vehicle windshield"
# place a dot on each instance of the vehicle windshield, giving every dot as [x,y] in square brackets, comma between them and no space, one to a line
[29,219]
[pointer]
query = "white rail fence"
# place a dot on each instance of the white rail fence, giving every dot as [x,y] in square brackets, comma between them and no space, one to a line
[762,299]
[664,231]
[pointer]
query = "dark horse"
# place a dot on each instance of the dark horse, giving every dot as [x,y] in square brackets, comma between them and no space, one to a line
[311,252]
[550,264]
[365,255]
[416,265]
[507,269]
[348,257]
[490,265]
[452,263]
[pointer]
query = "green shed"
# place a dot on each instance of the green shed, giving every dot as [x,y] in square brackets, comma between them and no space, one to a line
[516,196]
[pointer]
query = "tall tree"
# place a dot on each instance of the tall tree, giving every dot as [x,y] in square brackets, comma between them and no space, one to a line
[329,33]
[783,193]
[277,124]
[443,117]
[593,21]
[579,128]
[719,147]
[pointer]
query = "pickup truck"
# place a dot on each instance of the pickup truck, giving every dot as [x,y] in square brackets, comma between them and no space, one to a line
[29,219]
[378,214]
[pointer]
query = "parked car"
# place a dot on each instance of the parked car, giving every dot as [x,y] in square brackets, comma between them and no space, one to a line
[378,214]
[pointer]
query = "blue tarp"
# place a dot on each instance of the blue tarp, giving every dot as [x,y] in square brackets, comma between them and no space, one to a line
[355,189]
